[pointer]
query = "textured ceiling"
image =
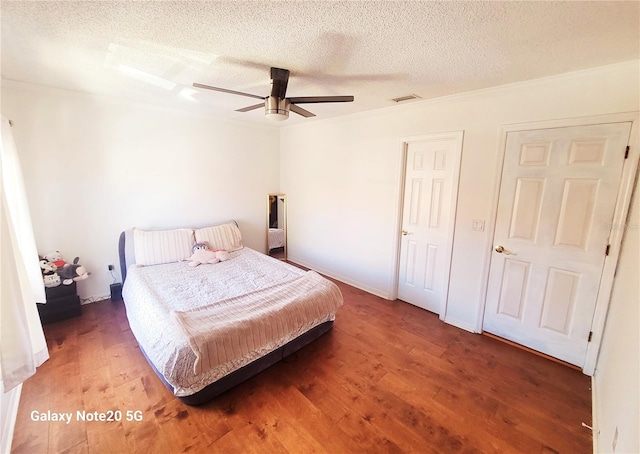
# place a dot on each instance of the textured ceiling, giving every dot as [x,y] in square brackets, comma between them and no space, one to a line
[375,51]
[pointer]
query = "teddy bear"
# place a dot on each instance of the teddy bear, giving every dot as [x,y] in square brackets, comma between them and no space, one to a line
[56,258]
[202,254]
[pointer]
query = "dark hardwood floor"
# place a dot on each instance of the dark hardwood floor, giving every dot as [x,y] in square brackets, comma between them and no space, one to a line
[389,377]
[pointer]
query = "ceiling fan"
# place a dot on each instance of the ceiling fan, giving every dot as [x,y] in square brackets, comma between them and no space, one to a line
[276,105]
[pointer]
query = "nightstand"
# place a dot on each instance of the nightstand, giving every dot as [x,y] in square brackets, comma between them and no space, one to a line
[63,302]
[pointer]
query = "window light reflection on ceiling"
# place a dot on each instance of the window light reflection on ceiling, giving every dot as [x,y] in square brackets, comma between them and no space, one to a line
[188,93]
[146,77]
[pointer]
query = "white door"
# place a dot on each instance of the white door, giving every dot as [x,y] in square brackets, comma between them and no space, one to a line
[558,194]
[430,192]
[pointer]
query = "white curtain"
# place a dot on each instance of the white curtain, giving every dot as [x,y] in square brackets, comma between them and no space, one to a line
[22,343]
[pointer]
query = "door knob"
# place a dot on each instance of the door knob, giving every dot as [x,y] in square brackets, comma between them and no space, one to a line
[502,250]
[404,232]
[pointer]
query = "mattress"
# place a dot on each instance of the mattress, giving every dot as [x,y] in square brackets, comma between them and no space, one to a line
[157,298]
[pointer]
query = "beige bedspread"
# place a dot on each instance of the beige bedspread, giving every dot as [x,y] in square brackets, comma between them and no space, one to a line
[232,327]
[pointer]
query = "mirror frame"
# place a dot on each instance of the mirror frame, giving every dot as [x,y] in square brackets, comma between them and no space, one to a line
[282,222]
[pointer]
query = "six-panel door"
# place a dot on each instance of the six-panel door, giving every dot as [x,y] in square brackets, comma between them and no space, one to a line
[557,197]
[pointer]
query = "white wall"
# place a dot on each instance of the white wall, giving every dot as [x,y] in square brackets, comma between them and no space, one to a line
[342,176]
[94,166]
[617,378]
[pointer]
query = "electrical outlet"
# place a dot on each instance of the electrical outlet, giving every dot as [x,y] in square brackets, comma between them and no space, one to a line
[110,267]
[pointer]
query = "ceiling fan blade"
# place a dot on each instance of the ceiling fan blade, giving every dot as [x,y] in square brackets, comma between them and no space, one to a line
[317,99]
[247,109]
[300,111]
[279,81]
[224,90]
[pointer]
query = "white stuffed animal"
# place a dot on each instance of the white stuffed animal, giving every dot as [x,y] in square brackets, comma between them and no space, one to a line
[202,254]
[56,258]
[51,280]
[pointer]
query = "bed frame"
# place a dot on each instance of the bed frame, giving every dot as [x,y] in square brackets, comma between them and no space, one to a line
[240,375]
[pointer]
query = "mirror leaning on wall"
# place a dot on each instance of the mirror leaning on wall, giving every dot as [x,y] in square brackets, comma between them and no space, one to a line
[277,226]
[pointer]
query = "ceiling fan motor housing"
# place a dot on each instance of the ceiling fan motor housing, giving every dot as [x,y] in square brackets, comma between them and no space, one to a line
[276,108]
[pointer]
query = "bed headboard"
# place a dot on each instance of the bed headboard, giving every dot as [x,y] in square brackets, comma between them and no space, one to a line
[126,250]
[123,254]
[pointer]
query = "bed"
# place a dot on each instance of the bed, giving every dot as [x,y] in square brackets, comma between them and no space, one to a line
[207,328]
[276,238]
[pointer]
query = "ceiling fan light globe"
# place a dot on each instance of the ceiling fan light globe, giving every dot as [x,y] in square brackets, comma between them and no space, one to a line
[277,115]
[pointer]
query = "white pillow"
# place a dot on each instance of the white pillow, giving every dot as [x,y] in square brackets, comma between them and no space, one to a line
[225,236]
[154,247]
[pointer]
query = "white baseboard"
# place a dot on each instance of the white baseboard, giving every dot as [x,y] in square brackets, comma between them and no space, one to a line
[346,280]
[375,291]
[9,420]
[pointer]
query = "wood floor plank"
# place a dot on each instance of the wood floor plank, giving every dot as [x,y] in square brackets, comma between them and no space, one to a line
[181,432]
[141,429]
[260,423]
[349,409]
[390,377]
[26,440]
[80,448]
[67,397]
[309,419]
[294,437]
[106,437]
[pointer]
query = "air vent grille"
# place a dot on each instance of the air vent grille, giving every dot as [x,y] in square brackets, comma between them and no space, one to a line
[406,98]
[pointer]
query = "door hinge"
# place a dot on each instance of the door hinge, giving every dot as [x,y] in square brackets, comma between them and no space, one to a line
[606,251]
[590,336]
[626,152]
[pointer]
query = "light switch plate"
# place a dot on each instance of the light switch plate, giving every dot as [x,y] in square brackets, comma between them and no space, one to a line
[477,224]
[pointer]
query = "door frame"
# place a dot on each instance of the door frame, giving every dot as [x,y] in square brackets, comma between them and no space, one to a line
[458,136]
[623,201]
